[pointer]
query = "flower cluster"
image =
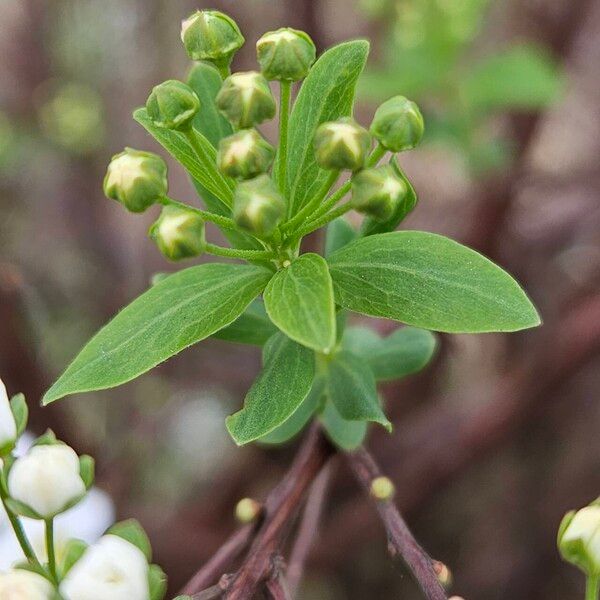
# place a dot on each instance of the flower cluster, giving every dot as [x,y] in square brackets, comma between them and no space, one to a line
[45,482]
[258,206]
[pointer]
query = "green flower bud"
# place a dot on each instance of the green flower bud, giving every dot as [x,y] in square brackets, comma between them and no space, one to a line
[244,154]
[211,35]
[579,539]
[382,488]
[247,510]
[246,99]
[398,124]
[257,206]
[173,105]
[286,54]
[179,233]
[342,144]
[136,179]
[377,192]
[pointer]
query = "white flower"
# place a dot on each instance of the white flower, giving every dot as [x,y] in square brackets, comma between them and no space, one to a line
[24,585]
[47,479]
[8,427]
[580,541]
[113,568]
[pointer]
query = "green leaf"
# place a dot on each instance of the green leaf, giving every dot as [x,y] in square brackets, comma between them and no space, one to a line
[339,233]
[202,168]
[73,551]
[177,312]
[520,77]
[280,388]
[299,418]
[429,281]
[205,80]
[252,327]
[20,411]
[157,582]
[370,226]
[299,300]
[405,351]
[131,531]
[348,435]
[351,387]
[326,94]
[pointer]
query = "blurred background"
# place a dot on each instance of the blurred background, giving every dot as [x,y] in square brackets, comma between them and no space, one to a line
[493,442]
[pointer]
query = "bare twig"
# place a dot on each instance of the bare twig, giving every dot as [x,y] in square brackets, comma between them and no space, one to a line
[220,561]
[308,529]
[277,587]
[280,506]
[401,540]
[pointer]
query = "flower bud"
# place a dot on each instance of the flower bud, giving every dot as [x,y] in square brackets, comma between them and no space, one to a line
[179,233]
[398,124]
[47,479]
[136,179]
[286,54]
[112,568]
[244,154]
[377,192]
[382,488]
[172,105]
[258,206]
[443,573]
[8,425]
[246,99]
[211,35]
[25,585]
[579,539]
[342,144]
[247,510]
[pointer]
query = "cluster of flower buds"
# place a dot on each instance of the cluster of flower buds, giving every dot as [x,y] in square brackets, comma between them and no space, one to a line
[46,481]
[341,145]
[179,233]
[286,54]
[377,192]
[579,538]
[136,179]
[258,206]
[398,124]
[244,154]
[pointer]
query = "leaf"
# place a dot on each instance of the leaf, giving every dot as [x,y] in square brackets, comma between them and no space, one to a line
[348,435]
[280,388]
[252,327]
[299,418]
[326,94]
[351,387]
[520,77]
[20,412]
[299,300]
[429,281]
[206,81]
[339,233]
[175,313]
[202,168]
[370,226]
[131,531]
[405,351]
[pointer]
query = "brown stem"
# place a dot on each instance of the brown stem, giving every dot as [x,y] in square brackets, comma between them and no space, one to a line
[276,587]
[308,530]
[218,564]
[401,540]
[280,506]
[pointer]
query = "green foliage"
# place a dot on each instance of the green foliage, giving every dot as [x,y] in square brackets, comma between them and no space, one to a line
[326,94]
[429,281]
[280,388]
[20,412]
[299,300]
[172,315]
[157,582]
[132,532]
[313,366]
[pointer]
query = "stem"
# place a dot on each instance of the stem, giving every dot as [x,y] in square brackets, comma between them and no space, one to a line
[239,253]
[50,549]
[310,207]
[592,587]
[19,531]
[285,92]
[219,220]
[320,222]
[376,156]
